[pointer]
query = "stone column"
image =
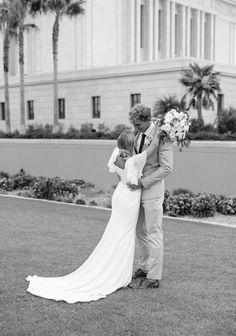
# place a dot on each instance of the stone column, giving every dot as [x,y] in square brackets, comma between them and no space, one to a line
[151,30]
[89,33]
[202,55]
[119,4]
[198,31]
[167,30]
[172,29]
[132,30]
[138,31]
[212,37]
[188,35]
[183,31]
[156,29]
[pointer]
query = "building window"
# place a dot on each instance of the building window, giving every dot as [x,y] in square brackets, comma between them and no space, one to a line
[96,106]
[61,108]
[30,109]
[220,103]
[135,99]
[2,111]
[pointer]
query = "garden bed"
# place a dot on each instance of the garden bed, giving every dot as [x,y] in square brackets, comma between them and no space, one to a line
[181,203]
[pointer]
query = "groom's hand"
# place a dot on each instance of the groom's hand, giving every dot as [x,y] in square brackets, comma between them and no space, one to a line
[135,186]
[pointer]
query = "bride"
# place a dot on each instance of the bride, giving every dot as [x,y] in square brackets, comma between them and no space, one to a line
[110,265]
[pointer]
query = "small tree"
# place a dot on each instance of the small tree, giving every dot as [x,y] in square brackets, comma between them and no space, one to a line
[60,9]
[163,105]
[7,27]
[202,85]
[19,12]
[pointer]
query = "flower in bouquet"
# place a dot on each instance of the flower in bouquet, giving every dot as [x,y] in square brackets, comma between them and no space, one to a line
[174,126]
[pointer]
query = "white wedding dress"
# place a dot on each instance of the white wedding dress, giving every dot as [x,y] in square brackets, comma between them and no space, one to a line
[110,265]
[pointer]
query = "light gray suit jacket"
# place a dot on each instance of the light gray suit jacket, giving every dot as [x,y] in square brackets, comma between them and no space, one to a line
[158,165]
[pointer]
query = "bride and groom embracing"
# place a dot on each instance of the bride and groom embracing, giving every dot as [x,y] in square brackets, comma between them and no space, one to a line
[141,161]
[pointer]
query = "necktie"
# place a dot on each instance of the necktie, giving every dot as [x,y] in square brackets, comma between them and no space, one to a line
[142,143]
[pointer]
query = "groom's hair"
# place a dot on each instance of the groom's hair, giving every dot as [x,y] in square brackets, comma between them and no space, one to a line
[126,140]
[140,112]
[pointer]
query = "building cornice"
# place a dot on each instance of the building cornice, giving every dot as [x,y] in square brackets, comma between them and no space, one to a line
[135,69]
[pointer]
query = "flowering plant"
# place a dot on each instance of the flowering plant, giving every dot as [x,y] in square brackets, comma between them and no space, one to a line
[174,126]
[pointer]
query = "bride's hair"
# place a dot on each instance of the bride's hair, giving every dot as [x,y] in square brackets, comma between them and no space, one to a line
[126,140]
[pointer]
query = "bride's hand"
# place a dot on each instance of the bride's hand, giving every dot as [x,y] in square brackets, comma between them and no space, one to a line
[121,158]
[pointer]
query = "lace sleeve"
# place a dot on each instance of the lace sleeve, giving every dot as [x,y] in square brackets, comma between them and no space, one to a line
[134,166]
[111,166]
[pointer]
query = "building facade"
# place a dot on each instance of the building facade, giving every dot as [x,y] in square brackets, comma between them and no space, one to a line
[121,52]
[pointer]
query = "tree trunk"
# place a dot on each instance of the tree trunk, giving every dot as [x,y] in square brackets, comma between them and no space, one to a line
[22,82]
[55,36]
[6,47]
[199,108]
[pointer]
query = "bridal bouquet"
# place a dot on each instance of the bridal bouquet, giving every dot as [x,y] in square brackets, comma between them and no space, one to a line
[174,126]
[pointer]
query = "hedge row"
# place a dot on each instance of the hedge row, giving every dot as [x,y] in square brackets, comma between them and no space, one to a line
[180,203]
[88,131]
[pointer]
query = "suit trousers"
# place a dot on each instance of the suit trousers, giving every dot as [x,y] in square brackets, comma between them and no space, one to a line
[149,231]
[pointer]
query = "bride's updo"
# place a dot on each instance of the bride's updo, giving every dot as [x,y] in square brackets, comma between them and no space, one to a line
[126,141]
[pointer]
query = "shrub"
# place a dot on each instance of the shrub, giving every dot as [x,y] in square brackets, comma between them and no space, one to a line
[203,205]
[21,180]
[227,121]
[72,133]
[87,131]
[117,130]
[68,199]
[180,191]
[27,192]
[180,205]
[196,125]
[3,174]
[227,206]
[43,189]
[80,201]
[103,132]
[6,184]
[93,203]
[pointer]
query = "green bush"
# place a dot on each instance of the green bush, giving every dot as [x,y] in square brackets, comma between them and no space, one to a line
[21,180]
[26,192]
[203,205]
[3,174]
[227,121]
[117,130]
[180,191]
[227,206]
[80,201]
[6,184]
[180,205]
[199,125]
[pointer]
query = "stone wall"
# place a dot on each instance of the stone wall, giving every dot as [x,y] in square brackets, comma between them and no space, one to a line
[204,166]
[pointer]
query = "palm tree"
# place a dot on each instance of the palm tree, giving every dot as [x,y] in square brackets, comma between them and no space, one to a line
[60,9]
[7,27]
[19,11]
[202,84]
[163,105]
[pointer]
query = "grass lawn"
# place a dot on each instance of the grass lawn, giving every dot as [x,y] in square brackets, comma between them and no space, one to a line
[196,296]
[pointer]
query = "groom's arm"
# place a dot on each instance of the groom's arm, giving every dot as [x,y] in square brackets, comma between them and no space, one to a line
[164,168]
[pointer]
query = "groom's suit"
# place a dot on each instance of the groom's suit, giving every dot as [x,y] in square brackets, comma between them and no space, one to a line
[149,226]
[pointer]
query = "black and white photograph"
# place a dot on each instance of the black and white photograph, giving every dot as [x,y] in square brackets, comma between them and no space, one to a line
[117,167]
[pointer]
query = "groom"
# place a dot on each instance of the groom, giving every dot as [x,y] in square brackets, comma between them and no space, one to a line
[149,227]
